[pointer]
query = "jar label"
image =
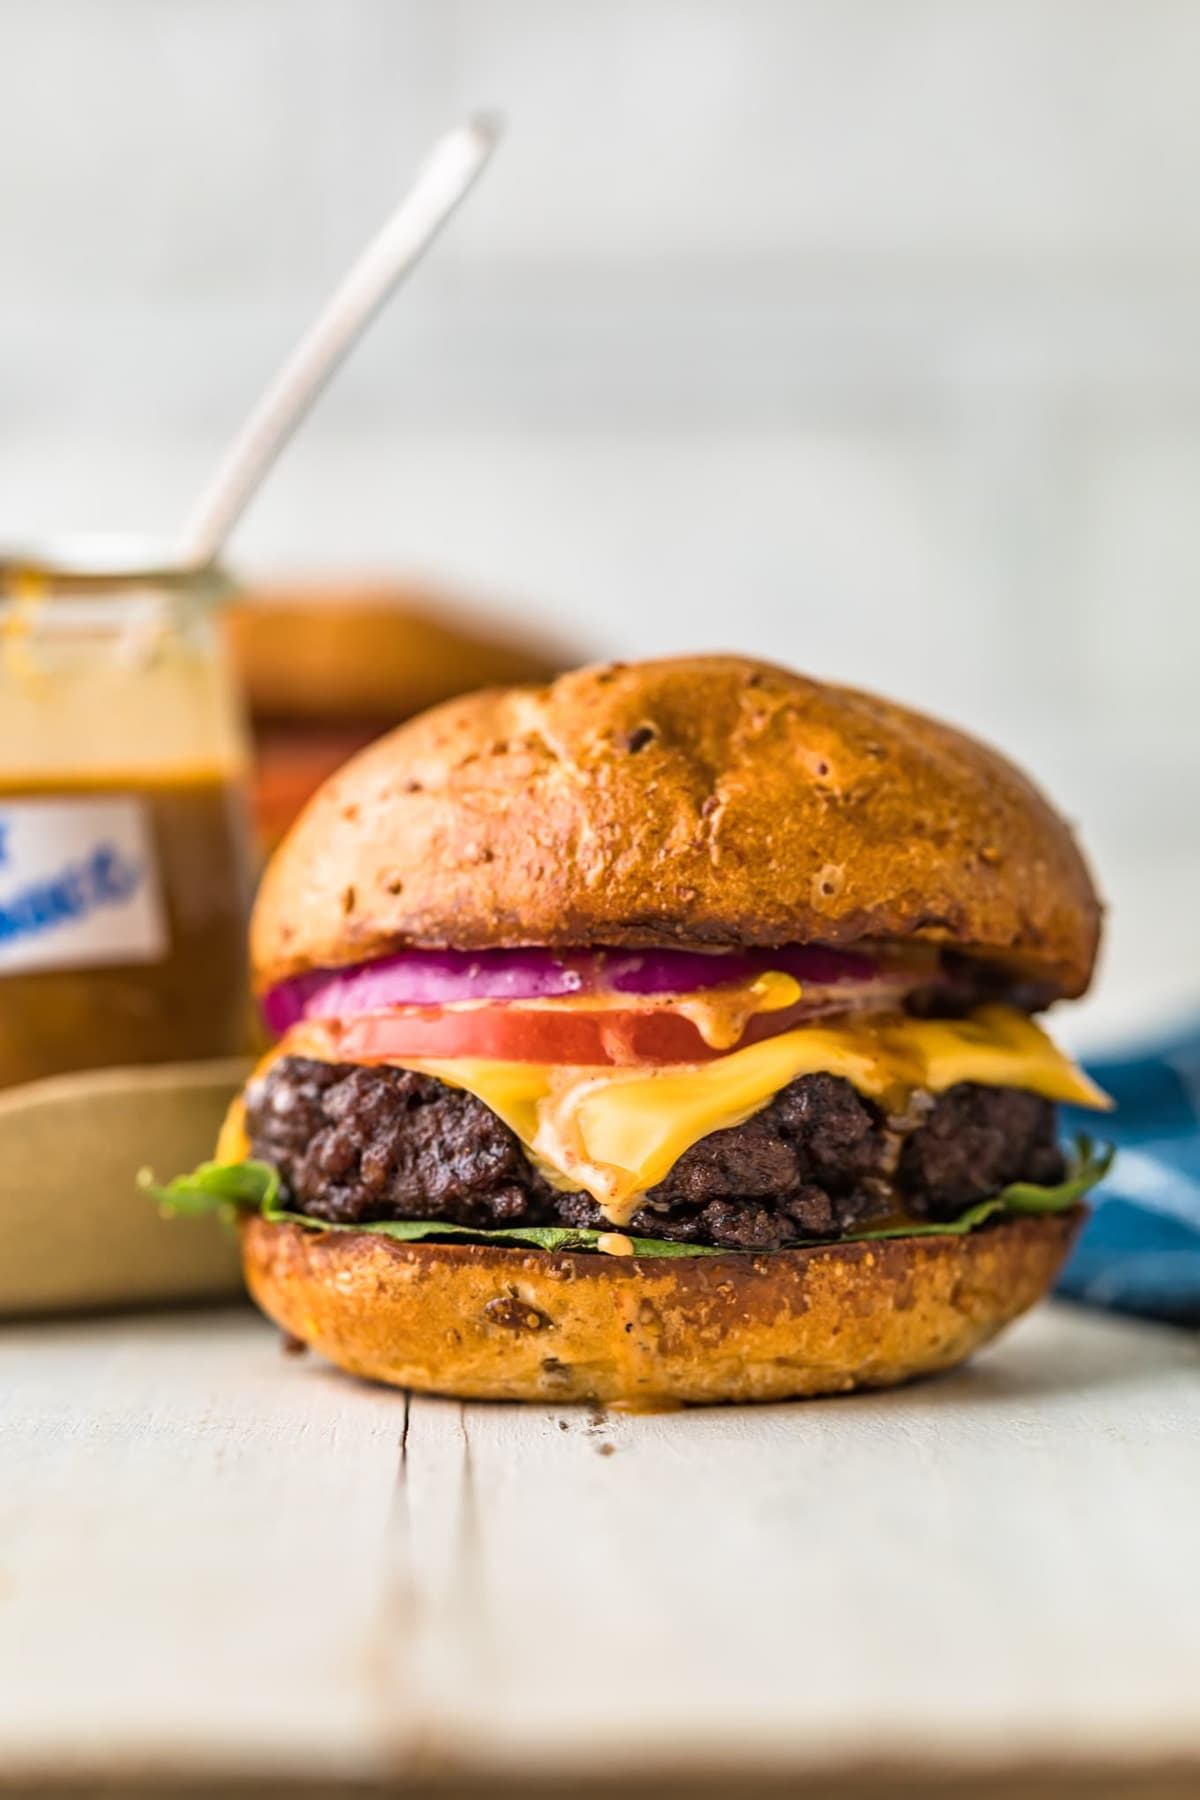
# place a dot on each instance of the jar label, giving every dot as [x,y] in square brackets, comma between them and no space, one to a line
[79,885]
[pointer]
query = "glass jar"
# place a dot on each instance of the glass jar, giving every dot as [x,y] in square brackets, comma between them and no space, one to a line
[124,875]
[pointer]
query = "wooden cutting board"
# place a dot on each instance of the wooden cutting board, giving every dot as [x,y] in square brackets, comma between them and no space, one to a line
[76,1231]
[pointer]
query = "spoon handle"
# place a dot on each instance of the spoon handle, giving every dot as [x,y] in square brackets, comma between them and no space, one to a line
[445,178]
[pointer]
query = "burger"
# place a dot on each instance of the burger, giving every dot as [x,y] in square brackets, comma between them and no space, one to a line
[666,1034]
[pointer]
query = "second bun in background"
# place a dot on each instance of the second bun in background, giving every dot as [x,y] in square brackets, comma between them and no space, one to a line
[327,666]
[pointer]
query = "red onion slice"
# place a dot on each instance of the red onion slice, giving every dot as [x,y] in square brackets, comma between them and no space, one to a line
[443,977]
[687,971]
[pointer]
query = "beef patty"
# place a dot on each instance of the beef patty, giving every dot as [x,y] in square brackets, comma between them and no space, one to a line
[355,1144]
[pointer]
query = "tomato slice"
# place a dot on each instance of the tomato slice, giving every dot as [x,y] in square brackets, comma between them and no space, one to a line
[508,1033]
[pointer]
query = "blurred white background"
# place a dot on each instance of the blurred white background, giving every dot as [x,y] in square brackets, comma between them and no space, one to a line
[858,333]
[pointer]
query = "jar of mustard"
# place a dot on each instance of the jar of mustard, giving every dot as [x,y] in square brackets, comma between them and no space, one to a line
[124,874]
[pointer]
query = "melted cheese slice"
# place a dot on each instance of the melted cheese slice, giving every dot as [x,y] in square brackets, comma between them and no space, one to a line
[615,1132]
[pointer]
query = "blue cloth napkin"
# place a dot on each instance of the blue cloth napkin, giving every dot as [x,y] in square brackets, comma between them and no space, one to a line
[1140,1251]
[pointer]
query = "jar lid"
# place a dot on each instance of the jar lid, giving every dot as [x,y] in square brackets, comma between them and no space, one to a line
[106,565]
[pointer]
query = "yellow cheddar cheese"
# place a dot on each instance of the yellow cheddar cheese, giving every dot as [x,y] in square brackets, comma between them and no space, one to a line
[614,1132]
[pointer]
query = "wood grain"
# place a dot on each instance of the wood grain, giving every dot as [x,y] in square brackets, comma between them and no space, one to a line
[218,1560]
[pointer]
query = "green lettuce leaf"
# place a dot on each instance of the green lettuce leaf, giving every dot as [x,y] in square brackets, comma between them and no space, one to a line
[226,1188]
[215,1188]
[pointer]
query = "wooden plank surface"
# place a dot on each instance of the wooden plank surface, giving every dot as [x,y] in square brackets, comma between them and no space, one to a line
[217,1558]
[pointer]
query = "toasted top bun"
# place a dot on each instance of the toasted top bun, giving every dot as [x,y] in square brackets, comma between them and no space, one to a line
[362,650]
[707,801]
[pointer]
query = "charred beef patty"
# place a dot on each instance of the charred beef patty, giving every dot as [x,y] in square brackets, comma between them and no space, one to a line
[355,1144]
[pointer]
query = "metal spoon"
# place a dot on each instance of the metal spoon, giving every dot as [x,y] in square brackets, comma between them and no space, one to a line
[443,182]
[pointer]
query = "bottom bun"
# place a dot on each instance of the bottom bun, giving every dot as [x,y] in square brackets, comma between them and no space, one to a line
[490,1324]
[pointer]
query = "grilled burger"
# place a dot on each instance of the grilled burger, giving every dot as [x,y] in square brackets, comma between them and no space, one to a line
[665,1034]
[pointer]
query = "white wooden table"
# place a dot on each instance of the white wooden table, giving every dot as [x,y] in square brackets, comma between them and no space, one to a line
[217,1560]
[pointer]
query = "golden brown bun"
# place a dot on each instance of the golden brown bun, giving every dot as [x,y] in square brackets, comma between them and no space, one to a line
[703,800]
[369,651]
[492,1324]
